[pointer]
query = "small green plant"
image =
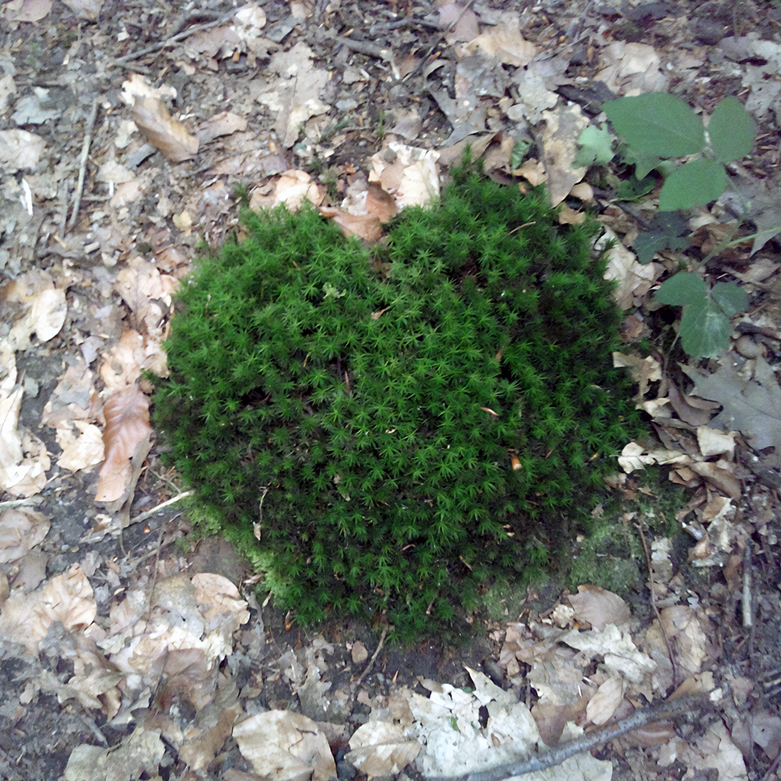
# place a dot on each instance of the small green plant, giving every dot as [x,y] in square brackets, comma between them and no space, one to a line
[659,126]
[385,431]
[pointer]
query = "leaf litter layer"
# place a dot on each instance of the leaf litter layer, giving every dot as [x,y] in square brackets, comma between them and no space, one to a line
[386,430]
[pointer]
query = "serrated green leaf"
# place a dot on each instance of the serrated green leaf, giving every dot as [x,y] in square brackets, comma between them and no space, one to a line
[681,290]
[731,298]
[693,184]
[705,329]
[731,130]
[657,124]
[520,148]
[596,146]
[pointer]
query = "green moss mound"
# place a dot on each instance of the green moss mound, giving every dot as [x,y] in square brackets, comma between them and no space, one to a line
[385,430]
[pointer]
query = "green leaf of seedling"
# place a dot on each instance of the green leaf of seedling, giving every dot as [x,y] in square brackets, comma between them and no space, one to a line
[643,163]
[657,124]
[649,243]
[596,146]
[520,148]
[705,329]
[665,233]
[731,298]
[634,189]
[693,184]
[705,322]
[731,130]
[682,289]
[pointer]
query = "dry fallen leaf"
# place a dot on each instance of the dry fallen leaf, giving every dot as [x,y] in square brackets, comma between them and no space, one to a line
[378,748]
[599,607]
[603,704]
[21,529]
[66,598]
[161,130]
[127,424]
[285,746]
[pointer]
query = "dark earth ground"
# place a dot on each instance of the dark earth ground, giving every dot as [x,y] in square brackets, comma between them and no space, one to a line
[37,735]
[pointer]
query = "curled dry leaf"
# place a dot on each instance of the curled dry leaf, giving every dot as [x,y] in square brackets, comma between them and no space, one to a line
[127,424]
[161,130]
[21,529]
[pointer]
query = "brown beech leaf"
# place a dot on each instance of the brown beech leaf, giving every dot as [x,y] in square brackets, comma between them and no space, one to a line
[160,129]
[127,423]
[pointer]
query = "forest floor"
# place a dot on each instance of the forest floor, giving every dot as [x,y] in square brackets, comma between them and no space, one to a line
[132,649]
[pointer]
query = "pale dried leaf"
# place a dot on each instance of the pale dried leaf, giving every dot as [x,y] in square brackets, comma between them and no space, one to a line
[292,189]
[141,752]
[74,398]
[721,475]
[27,10]
[86,9]
[714,443]
[603,704]
[44,307]
[691,632]
[634,279]
[285,746]
[161,130]
[222,124]
[122,362]
[23,463]
[563,126]
[378,748]
[599,607]
[82,450]
[617,648]
[505,42]
[766,732]
[21,529]
[412,179]
[66,598]
[20,150]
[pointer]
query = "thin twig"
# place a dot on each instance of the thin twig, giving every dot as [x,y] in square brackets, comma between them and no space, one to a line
[748,611]
[149,513]
[93,727]
[154,569]
[585,743]
[173,39]
[652,587]
[83,163]
[19,502]
[374,657]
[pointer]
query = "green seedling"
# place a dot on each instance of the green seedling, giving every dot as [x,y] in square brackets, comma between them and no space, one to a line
[382,432]
[657,127]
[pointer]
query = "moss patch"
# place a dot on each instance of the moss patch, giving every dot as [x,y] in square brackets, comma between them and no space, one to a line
[382,431]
